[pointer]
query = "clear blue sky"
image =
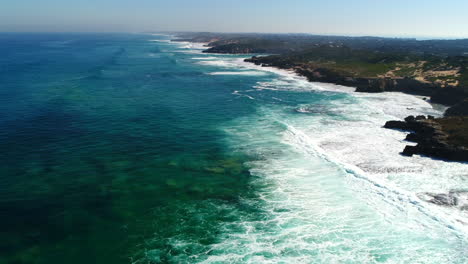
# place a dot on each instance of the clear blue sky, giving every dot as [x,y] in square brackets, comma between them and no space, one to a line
[436,18]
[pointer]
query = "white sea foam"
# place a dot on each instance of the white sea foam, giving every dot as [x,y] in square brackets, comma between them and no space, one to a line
[380,178]
[243,95]
[160,40]
[205,58]
[333,187]
[247,73]
[319,209]
[159,34]
[197,47]
[218,63]
[329,214]
[359,138]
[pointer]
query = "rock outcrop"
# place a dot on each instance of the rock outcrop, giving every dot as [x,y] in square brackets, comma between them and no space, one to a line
[436,138]
[454,198]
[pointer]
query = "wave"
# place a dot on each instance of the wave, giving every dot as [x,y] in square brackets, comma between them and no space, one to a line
[218,63]
[247,73]
[193,46]
[204,58]
[389,193]
[357,139]
[160,40]
[330,181]
[319,209]
[244,95]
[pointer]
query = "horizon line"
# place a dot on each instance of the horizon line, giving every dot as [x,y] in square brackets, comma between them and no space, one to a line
[421,37]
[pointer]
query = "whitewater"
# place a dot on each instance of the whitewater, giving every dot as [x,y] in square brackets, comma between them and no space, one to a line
[332,184]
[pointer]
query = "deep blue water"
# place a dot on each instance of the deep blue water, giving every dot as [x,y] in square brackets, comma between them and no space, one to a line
[131,149]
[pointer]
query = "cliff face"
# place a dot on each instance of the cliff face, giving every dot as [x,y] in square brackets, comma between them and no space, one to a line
[449,96]
[371,84]
[438,92]
[406,85]
[459,109]
[362,84]
[234,49]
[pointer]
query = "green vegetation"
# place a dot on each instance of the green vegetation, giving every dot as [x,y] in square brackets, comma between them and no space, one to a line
[442,63]
[371,64]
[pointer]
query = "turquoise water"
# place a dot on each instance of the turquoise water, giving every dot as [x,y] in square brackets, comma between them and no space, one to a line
[133,149]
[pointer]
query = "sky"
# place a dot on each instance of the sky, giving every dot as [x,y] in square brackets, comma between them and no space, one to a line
[398,18]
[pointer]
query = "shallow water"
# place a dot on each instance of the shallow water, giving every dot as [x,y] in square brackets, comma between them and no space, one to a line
[133,149]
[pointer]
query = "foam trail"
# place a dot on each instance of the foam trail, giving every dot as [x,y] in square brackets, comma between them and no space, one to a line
[244,95]
[330,185]
[314,211]
[160,40]
[247,73]
[393,195]
[204,58]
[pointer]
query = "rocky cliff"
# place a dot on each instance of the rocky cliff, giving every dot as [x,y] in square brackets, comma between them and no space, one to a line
[445,138]
[443,79]
[438,93]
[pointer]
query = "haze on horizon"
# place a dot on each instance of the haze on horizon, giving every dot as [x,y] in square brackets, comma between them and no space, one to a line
[399,18]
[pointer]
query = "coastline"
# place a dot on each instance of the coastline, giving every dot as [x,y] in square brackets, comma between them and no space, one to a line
[360,84]
[238,162]
[358,134]
[346,85]
[437,144]
[433,139]
[353,141]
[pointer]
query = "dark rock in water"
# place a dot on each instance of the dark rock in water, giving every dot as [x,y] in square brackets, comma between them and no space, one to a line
[444,199]
[413,137]
[454,198]
[440,138]
[410,118]
[410,151]
[410,125]
[397,125]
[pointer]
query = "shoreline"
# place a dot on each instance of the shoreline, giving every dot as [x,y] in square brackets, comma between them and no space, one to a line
[432,145]
[432,135]
[202,45]
[350,89]
[385,144]
[359,84]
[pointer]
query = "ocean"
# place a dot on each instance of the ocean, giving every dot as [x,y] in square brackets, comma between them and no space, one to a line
[130,148]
